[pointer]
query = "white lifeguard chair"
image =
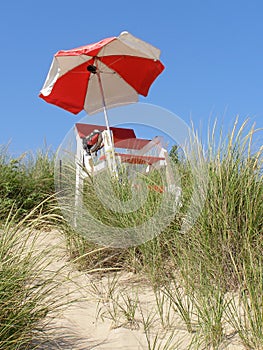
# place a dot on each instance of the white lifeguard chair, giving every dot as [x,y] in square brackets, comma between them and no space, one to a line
[120,146]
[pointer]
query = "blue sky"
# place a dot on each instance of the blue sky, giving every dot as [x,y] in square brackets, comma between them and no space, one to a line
[212,51]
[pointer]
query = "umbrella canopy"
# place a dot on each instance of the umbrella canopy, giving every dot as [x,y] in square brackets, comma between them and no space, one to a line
[108,73]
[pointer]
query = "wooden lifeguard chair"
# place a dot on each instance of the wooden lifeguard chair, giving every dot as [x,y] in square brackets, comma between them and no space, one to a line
[120,146]
[125,148]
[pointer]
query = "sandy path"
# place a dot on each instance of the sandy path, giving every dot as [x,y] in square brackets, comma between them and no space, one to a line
[98,319]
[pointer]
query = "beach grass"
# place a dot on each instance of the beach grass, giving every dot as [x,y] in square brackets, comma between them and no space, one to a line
[210,274]
[29,297]
[25,182]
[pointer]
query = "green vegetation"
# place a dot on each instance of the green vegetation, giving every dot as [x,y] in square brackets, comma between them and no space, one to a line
[28,287]
[210,275]
[25,182]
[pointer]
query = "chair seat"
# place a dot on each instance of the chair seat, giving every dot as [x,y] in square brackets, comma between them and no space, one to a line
[135,158]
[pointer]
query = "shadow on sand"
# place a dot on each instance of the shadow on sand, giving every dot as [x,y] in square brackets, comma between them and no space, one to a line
[64,343]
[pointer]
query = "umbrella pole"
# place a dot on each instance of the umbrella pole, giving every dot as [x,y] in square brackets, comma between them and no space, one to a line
[107,123]
[103,102]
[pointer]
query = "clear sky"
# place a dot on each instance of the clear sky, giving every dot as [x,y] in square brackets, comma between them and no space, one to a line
[212,51]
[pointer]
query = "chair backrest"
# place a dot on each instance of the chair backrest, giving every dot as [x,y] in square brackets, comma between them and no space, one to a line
[122,137]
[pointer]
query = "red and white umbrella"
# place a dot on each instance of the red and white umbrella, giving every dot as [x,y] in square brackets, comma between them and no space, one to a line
[105,74]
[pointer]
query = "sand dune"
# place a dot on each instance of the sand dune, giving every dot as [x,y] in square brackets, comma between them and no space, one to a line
[112,311]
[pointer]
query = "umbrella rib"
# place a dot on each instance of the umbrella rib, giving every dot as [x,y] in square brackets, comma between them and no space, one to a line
[113,71]
[104,72]
[117,60]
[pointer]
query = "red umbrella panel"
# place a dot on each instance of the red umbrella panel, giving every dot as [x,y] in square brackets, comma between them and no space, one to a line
[111,72]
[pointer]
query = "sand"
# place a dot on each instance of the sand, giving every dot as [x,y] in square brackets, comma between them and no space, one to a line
[112,311]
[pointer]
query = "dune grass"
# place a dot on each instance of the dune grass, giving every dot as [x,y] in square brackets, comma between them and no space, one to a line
[211,275]
[25,182]
[28,286]
[29,297]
